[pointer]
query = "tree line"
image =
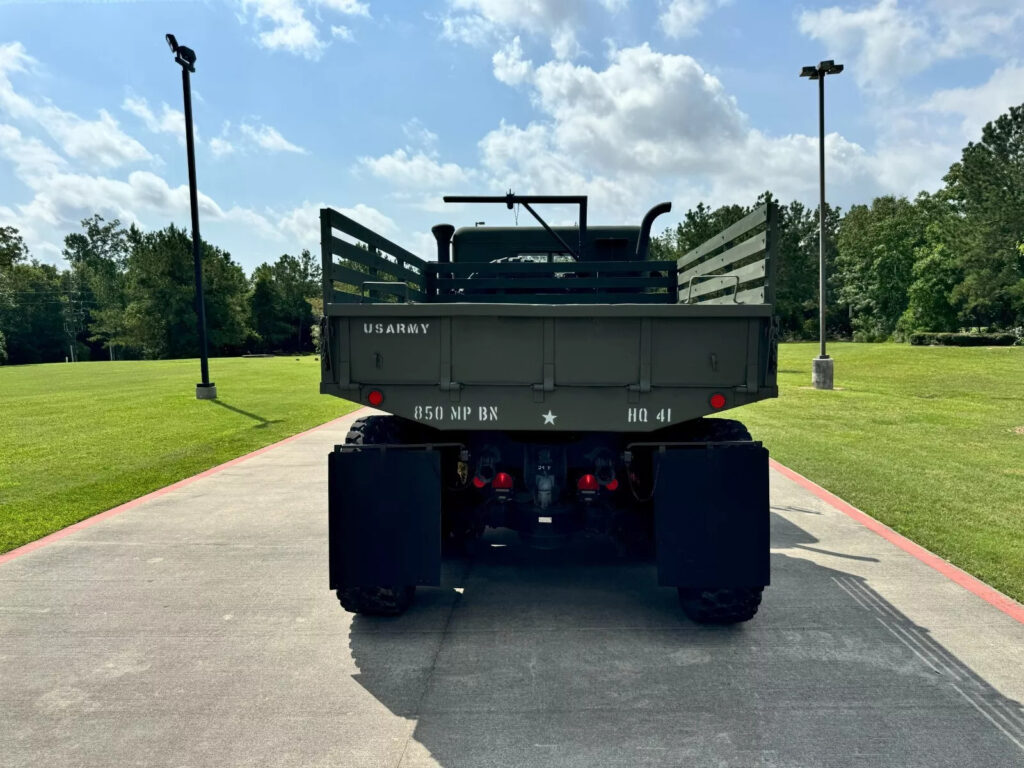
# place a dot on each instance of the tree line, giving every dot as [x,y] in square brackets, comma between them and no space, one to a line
[944,261]
[130,294]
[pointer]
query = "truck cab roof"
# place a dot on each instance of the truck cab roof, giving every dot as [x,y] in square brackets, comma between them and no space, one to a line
[481,244]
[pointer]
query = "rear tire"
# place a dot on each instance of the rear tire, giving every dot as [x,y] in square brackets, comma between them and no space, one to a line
[710,605]
[378,601]
[720,606]
[704,431]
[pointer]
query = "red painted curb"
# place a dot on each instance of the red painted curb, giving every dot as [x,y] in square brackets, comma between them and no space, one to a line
[57,535]
[990,595]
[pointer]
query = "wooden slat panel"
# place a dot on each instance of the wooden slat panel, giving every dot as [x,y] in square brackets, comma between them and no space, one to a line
[755,271]
[368,236]
[362,256]
[748,222]
[588,267]
[343,297]
[751,296]
[351,276]
[747,248]
[472,285]
[394,289]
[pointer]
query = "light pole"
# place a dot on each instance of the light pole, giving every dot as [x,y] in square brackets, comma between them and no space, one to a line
[186,57]
[822,366]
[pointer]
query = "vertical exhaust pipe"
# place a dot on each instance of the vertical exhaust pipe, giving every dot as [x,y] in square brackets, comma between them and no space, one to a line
[643,245]
[443,234]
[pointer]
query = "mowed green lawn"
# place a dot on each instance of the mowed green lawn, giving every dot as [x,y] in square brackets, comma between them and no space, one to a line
[929,440]
[78,439]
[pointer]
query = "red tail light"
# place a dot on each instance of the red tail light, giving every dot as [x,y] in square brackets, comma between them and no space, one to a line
[503,482]
[375,398]
[479,482]
[611,485]
[717,400]
[587,483]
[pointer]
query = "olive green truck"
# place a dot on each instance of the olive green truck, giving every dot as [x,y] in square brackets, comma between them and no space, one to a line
[550,380]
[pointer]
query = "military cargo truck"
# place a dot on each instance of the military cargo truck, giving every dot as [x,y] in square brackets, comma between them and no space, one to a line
[553,380]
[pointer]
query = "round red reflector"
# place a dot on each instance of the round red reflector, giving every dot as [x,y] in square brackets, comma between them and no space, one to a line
[376,397]
[717,401]
[479,482]
[503,481]
[587,483]
[612,484]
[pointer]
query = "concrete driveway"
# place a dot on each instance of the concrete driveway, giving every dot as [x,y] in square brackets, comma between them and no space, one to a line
[195,629]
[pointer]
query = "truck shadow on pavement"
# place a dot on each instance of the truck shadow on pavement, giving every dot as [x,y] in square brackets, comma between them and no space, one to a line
[577,658]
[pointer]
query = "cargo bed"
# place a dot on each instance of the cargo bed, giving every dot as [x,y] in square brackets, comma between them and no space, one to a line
[588,346]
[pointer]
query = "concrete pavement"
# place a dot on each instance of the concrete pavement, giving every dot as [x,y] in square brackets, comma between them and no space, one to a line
[196,630]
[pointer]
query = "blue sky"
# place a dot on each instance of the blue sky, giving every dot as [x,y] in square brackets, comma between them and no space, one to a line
[379,108]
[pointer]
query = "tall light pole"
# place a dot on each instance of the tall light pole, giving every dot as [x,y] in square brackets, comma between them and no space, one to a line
[186,57]
[822,366]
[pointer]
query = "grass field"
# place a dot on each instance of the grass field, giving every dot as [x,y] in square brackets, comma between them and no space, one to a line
[78,439]
[929,440]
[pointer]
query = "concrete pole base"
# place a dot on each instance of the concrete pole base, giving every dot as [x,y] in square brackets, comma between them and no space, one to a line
[821,372]
[209,391]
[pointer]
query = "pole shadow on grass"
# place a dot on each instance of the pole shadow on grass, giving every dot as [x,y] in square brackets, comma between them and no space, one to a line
[577,658]
[255,417]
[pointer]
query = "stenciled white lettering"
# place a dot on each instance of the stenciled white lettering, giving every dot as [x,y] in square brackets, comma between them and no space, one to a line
[406,329]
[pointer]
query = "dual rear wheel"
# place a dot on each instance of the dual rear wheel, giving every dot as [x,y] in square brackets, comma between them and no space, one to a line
[706,605]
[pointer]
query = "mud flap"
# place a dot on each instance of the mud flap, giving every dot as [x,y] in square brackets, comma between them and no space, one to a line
[711,514]
[384,517]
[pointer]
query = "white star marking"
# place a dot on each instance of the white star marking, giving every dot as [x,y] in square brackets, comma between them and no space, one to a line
[549,417]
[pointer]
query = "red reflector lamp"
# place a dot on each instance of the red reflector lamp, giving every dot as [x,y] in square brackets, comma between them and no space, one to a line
[717,400]
[503,482]
[587,483]
[479,482]
[611,485]
[375,398]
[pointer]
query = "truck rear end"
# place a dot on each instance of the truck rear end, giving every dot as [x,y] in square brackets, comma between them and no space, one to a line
[551,380]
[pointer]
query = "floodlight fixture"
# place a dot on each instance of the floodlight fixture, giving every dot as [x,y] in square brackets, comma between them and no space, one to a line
[811,72]
[184,56]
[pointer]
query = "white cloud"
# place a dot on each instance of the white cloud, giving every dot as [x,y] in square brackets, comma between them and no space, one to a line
[509,65]
[289,30]
[564,43]
[31,158]
[98,142]
[286,27]
[347,7]
[479,22]
[648,126]
[979,105]
[533,15]
[646,111]
[414,170]
[302,223]
[269,138]
[342,33]
[169,121]
[886,42]
[419,134]
[470,29]
[679,18]
[221,147]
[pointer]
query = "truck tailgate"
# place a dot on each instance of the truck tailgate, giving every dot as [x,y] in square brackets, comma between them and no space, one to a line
[550,367]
